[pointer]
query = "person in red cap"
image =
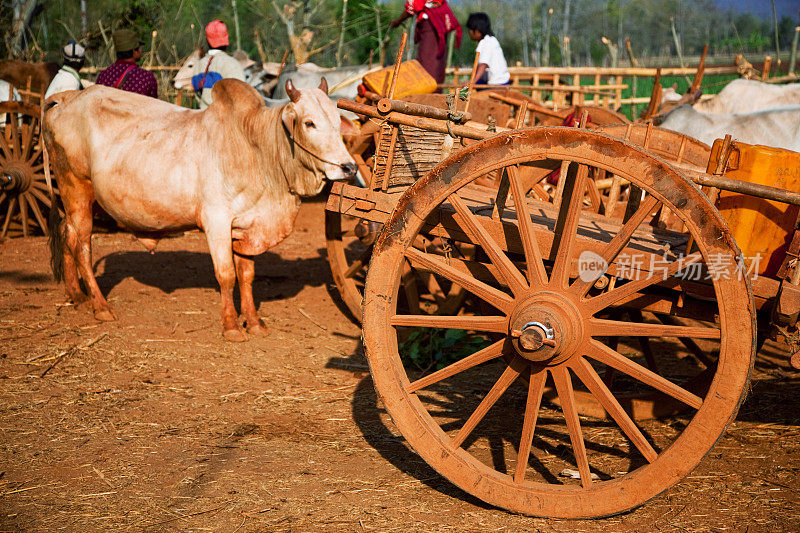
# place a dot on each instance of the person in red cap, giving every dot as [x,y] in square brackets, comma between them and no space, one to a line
[215,65]
[435,20]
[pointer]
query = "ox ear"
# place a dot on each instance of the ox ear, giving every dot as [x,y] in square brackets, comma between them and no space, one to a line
[289,117]
[323,85]
[294,94]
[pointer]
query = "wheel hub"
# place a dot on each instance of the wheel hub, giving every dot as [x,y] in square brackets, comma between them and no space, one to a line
[546,328]
[14,178]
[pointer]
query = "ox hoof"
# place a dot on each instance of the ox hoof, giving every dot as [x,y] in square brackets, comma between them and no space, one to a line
[105,315]
[234,335]
[258,329]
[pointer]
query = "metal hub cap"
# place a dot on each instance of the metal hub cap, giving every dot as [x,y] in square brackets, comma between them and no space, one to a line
[546,327]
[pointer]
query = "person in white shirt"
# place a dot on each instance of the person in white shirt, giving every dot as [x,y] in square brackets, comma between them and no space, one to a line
[215,65]
[67,77]
[492,68]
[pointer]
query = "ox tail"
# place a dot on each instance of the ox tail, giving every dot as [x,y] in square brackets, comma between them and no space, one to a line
[54,220]
[54,226]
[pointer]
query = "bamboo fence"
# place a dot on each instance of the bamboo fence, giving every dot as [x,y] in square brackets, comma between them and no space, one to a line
[568,84]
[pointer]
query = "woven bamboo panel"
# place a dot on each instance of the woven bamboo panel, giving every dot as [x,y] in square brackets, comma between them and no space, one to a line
[416,152]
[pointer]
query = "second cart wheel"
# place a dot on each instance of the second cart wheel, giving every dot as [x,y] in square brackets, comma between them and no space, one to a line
[349,242]
[484,421]
[24,197]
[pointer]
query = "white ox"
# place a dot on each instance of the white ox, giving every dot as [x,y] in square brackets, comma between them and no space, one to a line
[740,96]
[7,94]
[183,78]
[745,96]
[779,127]
[235,170]
[343,80]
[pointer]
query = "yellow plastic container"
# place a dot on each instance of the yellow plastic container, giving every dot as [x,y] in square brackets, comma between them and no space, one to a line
[412,79]
[763,229]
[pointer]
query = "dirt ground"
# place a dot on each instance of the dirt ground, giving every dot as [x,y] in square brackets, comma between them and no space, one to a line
[155,423]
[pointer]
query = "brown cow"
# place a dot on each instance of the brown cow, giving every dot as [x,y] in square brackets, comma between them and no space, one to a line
[234,170]
[17,72]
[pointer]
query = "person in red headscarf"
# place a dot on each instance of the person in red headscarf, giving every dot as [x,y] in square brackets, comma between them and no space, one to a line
[435,20]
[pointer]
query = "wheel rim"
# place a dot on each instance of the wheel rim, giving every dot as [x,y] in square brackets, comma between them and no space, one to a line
[545,292]
[24,196]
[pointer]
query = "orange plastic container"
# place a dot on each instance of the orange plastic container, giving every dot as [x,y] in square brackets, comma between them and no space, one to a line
[762,228]
[412,79]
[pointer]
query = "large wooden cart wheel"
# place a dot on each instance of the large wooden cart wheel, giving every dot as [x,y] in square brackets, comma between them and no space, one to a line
[24,198]
[484,421]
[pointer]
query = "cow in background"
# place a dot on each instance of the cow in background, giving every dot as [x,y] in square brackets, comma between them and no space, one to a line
[779,127]
[239,178]
[745,96]
[253,73]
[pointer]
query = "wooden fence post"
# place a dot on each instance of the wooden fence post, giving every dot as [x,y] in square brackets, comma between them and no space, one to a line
[793,56]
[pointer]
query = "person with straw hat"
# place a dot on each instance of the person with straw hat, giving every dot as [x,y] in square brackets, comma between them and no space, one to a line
[67,77]
[124,73]
[215,65]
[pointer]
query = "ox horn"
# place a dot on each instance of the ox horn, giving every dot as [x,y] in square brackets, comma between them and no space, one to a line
[323,85]
[294,94]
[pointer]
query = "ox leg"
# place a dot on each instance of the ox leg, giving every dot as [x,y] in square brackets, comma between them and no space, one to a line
[72,283]
[78,208]
[222,256]
[246,273]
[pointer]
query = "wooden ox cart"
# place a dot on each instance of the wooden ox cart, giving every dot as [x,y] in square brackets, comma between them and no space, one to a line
[610,326]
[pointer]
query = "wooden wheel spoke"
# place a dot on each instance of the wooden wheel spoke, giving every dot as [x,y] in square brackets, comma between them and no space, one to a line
[497,298]
[6,148]
[487,354]
[492,324]
[605,328]
[566,394]
[510,273]
[506,379]
[535,391]
[602,353]
[15,136]
[567,224]
[598,388]
[23,211]
[11,205]
[41,196]
[37,213]
[537,276]
[36,155]
[27,140]
[617,244]
[621,292]
[358,264]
